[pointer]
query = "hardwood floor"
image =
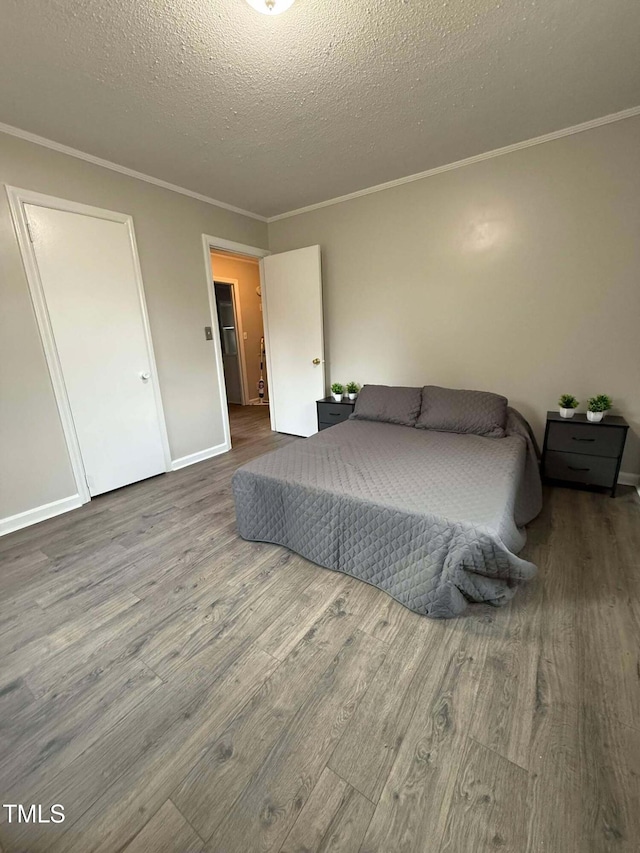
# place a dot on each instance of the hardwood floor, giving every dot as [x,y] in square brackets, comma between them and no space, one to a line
[178,689]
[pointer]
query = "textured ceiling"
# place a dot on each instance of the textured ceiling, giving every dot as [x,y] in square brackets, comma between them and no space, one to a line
[273,113]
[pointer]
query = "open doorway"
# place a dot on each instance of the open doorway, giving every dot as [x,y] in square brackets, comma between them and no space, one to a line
[236,289]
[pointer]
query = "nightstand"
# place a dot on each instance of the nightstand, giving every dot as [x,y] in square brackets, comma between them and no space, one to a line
[578,451]
[331,413]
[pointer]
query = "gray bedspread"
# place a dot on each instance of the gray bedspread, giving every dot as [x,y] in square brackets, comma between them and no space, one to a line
[434,519]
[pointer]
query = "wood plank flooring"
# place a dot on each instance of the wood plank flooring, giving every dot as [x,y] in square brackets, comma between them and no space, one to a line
[180,690]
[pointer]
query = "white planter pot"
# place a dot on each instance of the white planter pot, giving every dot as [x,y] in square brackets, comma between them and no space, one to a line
[337,398]
[595,417]
[567,413]
[352,396]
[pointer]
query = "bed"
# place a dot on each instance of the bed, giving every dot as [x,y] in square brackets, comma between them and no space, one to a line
[433,517]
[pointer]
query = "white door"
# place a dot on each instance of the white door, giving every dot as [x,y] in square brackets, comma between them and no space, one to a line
[292,304]
[87,269]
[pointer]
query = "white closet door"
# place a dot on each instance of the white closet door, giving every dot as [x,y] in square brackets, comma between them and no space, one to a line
[88,274]
[292,304]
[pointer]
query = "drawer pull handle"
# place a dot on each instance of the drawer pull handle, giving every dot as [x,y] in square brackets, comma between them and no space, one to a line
[335,414]
[575,438]
[571,468]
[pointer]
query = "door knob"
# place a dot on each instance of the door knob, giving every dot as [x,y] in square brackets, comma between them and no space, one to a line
[144,375]
[316,361]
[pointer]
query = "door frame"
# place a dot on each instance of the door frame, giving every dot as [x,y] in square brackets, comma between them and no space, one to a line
[210,244]
[17,199]
[237,311]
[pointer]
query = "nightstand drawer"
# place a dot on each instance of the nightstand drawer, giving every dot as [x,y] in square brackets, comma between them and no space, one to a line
[592,440]
[331,414]
[580,468]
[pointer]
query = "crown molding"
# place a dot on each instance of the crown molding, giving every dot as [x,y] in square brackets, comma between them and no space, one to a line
[458,164]
[123,170]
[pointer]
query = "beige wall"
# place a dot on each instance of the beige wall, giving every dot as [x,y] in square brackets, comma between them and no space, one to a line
[34,463]
[247,274]
[519,274]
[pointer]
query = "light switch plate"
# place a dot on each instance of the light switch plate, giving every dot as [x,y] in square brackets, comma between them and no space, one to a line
[208,333]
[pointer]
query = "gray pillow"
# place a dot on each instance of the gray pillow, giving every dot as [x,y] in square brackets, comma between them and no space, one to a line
[390,404]
[449,410]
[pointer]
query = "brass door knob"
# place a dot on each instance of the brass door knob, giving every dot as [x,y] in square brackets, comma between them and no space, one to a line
[316,361]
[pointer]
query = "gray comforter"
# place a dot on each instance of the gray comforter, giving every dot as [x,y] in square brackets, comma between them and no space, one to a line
[434,519]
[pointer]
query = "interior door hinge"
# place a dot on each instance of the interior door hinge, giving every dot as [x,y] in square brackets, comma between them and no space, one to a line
[29,230]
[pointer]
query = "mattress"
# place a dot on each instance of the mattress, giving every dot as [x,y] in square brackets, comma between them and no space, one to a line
[434,519]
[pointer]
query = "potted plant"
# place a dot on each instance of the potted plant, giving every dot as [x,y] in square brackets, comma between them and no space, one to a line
[337,390]
[567,404]
[352,390]
[597,407]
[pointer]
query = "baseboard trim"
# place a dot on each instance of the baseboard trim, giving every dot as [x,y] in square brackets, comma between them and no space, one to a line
[626,479]
[200,456]
[50,510]
[38,513]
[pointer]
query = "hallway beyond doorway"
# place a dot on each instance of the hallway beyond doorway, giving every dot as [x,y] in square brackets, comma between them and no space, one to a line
[238,296]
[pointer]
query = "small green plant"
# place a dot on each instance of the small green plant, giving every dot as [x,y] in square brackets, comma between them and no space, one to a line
[352,387]
[337,388]
[601,403]
[568,401]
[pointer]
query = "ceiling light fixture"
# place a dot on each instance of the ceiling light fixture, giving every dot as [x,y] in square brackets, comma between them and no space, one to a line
[271,7]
